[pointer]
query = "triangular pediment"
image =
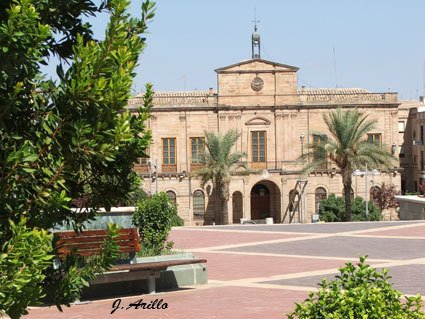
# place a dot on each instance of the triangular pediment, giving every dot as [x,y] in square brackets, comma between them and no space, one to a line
[258,121]
[257,65]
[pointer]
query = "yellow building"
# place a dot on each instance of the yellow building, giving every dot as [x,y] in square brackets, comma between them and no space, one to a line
[278,122]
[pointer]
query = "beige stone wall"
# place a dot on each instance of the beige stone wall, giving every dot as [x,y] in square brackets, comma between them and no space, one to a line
[413,115]
[283,183]
[279,110]
[279,85]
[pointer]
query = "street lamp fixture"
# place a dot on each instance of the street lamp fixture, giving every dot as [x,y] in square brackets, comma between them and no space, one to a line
[366,173]
[393,148]
[302,143]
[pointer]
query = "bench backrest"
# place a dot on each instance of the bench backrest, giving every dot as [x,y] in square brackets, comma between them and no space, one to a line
[90,242]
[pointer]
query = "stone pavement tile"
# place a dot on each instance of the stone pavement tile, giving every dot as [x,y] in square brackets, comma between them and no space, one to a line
[316,228]
[417,231]
[222,266]
[408,279]
[341,246]
[221,302]
[184,238]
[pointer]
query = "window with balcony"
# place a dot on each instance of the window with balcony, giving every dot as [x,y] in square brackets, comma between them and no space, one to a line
[169,155]
[197,152]
[319,153]
[142,164]
[375,138]
[258,147]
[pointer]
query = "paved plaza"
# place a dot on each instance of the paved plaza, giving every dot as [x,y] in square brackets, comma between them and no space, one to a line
[260,271]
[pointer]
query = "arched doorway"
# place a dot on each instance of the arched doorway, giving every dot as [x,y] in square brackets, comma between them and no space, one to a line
[260,202]
[237,207]
[265,201]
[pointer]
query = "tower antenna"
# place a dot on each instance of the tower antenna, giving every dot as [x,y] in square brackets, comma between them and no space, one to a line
[336,74]
[423,93]
[255,19]
[255,39]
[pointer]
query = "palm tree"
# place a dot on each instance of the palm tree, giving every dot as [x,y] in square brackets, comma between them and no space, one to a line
[349,149]
[220,164]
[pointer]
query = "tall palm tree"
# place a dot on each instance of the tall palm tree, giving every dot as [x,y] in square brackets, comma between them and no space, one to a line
[220,164]
[349,149]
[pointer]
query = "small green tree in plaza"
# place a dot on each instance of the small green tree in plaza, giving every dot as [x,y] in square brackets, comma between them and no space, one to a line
[220,164]
[359,291]
[348,148]
[64,141]
[155,216]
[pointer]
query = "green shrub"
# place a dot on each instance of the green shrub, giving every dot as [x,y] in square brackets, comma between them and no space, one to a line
[23,260]
[358,292]
[332,209]
[155,216]
[176,220]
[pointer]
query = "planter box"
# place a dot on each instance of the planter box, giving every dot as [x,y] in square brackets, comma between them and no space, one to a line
[412,207]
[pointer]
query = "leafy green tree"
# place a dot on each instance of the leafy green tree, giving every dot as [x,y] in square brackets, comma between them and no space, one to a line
[348,148]
[359,291]
[220,164]
[332,209]
[23,262]
[67,141]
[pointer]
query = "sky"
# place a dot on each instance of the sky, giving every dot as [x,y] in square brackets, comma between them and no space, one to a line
[379,45]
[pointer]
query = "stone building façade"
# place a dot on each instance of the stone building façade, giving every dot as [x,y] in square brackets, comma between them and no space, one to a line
[278,122]
[412,147]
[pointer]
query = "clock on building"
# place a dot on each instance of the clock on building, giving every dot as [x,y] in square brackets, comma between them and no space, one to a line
[257,84]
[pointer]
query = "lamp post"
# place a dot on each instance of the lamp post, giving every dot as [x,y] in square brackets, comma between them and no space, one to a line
[302,144]
[366,173]
[155,166]
[150,177]
[156,176]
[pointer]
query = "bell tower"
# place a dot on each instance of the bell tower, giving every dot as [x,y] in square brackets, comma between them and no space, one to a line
[255,40]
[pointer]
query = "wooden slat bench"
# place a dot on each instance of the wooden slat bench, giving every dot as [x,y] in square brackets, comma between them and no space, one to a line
[90,242]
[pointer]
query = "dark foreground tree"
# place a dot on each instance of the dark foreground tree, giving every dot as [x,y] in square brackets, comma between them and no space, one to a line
[220,164]
[348,149]
[63,140]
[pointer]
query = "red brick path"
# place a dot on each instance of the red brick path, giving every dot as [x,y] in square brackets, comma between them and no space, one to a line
[248,283]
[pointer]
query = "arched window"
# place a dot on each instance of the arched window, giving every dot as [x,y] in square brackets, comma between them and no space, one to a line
[375,193]
[173,197]
[198,203]
[319,196]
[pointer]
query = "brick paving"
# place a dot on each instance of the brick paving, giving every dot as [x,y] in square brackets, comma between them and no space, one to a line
[408,279]
[417,231]
[259,271]
[186,238]
[339,246]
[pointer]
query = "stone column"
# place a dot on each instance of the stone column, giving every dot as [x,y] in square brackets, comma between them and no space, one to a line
[246,200]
